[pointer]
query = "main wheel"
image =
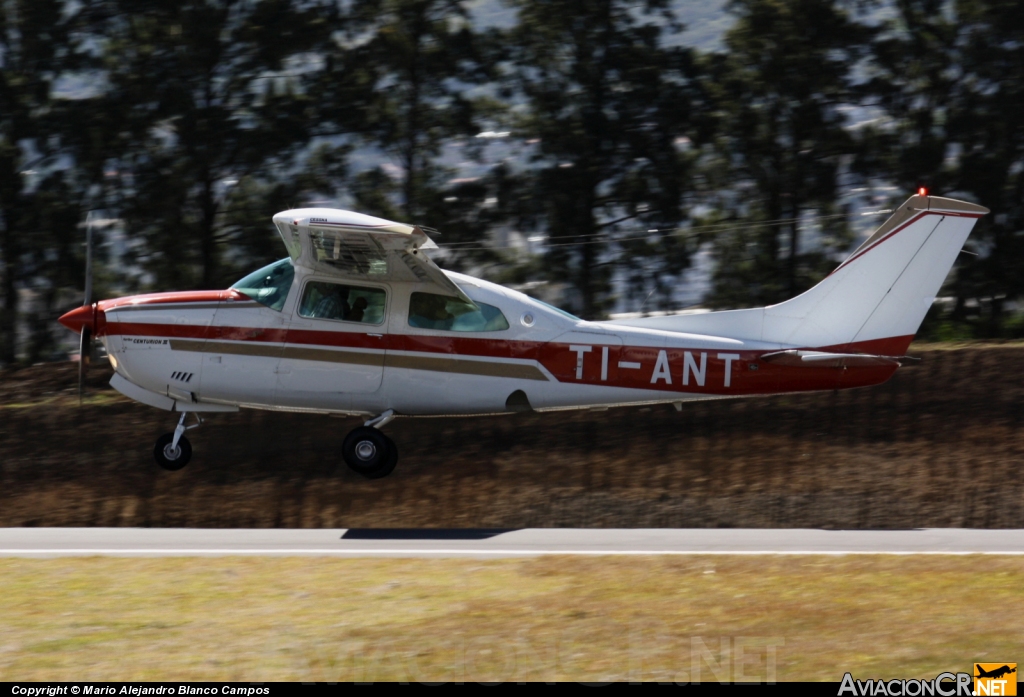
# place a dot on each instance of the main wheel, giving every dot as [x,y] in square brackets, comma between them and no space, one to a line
[369,452]
[172,459]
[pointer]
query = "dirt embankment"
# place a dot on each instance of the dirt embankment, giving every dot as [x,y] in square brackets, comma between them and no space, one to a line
[939,445]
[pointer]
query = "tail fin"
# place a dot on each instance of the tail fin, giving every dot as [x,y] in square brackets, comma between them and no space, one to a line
[884,289]
[874,301]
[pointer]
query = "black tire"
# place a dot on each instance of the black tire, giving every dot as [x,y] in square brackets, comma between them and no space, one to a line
[172,461]
[369,452]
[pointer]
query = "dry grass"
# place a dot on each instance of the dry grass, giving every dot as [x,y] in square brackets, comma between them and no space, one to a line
[939,445]
[549,618]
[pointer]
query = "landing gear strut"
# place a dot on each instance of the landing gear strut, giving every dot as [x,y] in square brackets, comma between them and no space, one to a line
[368,451]
[173,451]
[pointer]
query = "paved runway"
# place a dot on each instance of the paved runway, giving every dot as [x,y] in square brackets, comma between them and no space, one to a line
[55,542]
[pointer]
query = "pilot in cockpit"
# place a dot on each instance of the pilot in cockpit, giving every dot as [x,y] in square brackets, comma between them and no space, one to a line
[334,304]
[429,311]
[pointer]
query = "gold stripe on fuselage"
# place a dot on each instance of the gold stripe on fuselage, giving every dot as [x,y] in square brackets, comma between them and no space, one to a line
[459,365]
[301,353]
[415,362]
[246,348]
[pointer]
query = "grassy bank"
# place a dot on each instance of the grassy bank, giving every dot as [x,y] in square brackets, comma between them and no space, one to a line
[941,444]
[610,618]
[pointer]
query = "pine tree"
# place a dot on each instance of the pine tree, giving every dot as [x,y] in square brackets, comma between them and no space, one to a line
[33,36]
[951,79]
[780,87]
[212,102]
[399,78]
[985,125]
[606,100]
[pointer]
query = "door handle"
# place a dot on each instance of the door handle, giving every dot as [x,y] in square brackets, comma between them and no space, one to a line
[379,336]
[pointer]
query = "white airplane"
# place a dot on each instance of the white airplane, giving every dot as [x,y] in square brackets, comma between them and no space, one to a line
[358,320]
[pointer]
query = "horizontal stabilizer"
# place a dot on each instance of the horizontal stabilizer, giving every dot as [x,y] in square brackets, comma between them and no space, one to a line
[823,359]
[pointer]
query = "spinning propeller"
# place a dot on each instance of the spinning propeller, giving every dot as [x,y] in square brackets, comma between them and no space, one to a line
[84,358]
[88,320]
[85,337]
[85,314]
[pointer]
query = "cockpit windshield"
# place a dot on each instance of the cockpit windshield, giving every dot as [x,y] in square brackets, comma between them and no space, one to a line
[269,285]
[556,309]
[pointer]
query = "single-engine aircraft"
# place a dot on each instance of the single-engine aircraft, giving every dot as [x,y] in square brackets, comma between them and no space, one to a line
[357,320]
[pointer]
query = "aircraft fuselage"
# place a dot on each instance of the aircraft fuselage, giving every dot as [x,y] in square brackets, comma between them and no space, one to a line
[224,348]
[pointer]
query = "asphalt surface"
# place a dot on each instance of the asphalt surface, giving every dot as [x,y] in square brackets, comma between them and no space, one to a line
[151,542]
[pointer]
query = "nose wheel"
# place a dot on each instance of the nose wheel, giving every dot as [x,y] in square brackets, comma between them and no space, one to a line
[368,451]
[173,451]
[172,457]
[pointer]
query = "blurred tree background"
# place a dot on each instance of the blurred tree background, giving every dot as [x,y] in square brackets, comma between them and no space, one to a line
[788,70]
[588,151]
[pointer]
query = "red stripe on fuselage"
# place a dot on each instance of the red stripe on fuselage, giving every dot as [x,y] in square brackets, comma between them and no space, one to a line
[702,371]
[187,296]
[894,346]
[747,375]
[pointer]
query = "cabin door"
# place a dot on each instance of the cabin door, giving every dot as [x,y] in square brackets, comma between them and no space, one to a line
[241,355]
[335,344]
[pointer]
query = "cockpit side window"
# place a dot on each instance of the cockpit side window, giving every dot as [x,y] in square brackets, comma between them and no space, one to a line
[323,300]
[430,311]
[269,285]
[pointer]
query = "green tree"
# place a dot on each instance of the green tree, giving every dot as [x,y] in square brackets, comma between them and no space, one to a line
[952,80]
[986,128]
[780,88]
[399,77]
[212,104]
[53,264]
[606,100]
[915,61]
[33,37]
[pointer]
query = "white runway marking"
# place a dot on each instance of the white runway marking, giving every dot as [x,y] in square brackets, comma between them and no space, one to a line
[448,552]
[150,542]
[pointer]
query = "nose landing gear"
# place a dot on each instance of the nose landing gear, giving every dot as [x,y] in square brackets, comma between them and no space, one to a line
[368,451]
[173,451]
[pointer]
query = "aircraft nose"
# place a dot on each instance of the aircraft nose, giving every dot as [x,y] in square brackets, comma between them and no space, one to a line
[84,316]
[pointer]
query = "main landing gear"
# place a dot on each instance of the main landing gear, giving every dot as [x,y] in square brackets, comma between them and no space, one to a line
[368,451]
[173,451]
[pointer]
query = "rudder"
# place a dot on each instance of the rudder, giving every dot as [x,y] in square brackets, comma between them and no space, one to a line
[882,292]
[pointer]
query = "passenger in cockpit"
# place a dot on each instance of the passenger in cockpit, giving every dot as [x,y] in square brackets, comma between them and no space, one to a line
[358,308]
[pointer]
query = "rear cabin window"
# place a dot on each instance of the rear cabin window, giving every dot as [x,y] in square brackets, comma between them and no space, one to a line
[430,311]
[269,285]
[323,300]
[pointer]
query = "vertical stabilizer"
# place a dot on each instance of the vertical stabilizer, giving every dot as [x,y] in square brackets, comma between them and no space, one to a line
[874,301]
[885,288]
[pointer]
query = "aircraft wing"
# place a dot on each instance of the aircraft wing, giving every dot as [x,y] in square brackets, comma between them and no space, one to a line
[826,359]
[354,245]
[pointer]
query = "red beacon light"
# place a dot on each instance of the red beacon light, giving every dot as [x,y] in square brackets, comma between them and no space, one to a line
[922,191]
